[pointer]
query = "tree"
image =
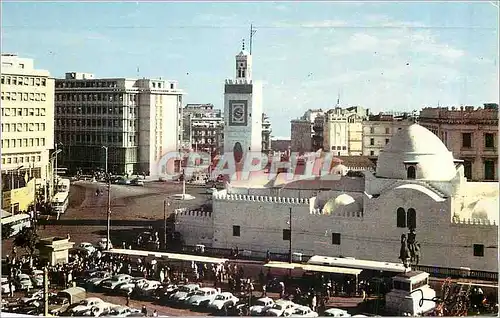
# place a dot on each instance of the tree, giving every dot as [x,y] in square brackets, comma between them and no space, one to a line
[7,231]
[27,238]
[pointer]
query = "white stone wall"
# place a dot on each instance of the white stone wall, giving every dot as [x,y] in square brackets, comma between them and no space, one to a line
[196,227]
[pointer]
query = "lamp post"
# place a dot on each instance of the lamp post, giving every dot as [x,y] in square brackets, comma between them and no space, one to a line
[108,214]
[166,203]
[290,241]
[53,158]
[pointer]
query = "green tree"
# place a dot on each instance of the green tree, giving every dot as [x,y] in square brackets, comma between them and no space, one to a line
[27,238]
[7,231]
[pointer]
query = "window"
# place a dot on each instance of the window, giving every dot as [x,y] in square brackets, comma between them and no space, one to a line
[489,140]
[411,173]
[386,141]
[236,230]
[411,217]
[286,235]
[336,238]
[466,140]
[372,130]
[401,217]
[489,170]
[478,249]
[372,141]
[387,130]
[468,169]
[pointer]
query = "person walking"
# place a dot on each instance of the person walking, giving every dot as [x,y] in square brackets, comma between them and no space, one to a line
[144,311]
[155,314]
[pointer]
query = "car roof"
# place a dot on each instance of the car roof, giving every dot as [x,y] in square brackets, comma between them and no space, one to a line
[191,285]
[226,294]
[284,301]
[265,299]
[335,310]
[93,299]
[208,289]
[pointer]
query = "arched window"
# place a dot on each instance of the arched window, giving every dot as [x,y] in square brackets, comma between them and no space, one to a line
[412,218]
[237,152]
[411,173]
[401,217]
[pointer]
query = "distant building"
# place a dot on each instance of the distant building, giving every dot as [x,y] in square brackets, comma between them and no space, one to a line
[281,145]
[203,128]
[342,131]
[471,134]
[138,120]
[242,109]
[378,131]
[318,129]
[27,127]
[266,134]
[302,132]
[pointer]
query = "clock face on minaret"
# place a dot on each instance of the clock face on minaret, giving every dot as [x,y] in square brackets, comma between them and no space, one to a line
[238,113]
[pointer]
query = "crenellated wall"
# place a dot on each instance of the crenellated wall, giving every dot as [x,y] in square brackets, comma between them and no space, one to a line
[195,226]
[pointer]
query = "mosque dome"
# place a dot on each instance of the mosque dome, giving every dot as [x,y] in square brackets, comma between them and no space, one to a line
[414,152]
[339,202]
[485,209]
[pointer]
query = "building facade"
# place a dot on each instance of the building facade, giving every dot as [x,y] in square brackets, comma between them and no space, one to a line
[301,135]
[27,126]
[342,130]
[242,110]
[266,134]
[203,128]
[471,134]
[378,131]
[418,185]
[134,122]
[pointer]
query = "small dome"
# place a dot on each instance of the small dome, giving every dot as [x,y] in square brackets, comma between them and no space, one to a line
[339,169]
[485,209]
[335,203]
[416,146]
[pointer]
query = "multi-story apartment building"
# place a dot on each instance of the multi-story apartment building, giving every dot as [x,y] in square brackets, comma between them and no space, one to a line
[471,134]
[27,126]
[203,128]
[301,133]
[266,134]
[134,121]
[378,130]
[342,131]
[318,129]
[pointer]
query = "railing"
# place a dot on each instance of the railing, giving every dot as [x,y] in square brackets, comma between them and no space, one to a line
[444,272]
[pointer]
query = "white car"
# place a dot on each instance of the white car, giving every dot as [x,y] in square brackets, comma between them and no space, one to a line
[98,310]
[261,305]
[23,281]
[97,278]
[116,281]
[202,297]
[281,308]
[101,244]
[37,278]
[303,311]
[336,312]
[88,247]
[86,305]
[223,299]
[6,287]
[148,288]
[121,311]
[185,292]
[134,283]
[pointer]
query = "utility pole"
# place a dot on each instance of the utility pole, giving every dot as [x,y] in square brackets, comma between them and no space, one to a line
[252,32]
[45,291]
[108,218]
[165,204]
[290,242]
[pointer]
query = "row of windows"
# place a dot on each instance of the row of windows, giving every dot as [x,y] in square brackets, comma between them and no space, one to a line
[23,111]
[23,142]
[489,140]
[23,127]
[406,218]
[18,96]
[6,159]
[372,141]
[387,130]
[23,80]
[95,97]
[94,110]
[287,235]
[88,84]
[117,123]
[339,147]
[93,138]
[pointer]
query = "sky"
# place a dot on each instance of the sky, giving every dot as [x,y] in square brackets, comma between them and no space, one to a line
[398,56]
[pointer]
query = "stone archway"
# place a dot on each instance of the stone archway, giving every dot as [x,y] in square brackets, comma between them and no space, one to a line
[237,152]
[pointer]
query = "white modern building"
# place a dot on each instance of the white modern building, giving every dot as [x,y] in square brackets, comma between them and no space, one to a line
[243,109]
[417,184]
[138,120]
[27,125]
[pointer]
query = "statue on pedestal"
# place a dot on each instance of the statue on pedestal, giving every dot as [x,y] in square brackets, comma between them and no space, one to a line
[404,252]
[413,247]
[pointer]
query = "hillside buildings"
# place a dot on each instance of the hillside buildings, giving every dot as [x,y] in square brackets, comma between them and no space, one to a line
[27,129]
[471,134]
[137,120]
[242,109]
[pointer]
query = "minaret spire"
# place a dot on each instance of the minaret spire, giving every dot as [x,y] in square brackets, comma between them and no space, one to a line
[243,44]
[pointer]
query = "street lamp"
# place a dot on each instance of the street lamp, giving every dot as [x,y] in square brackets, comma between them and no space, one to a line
[53,158]
[166,203]
[108,216]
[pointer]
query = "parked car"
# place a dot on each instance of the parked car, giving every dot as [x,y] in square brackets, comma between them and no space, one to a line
[88,247]
[86,305]
[134,284]
[97,278]
[223,299]
[121,311]
[281,308]
[6,286]
[261,305]
[58,305]
[116,281]
[98,310]
[23,281]
[37,278]
[101,244]
[303,311]
[34,295]
[148,289]
[202,297]
[137,182]
[185,292]
[336,312]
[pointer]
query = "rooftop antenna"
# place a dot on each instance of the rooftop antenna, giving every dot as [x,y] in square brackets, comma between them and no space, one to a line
[338,99]
[138,71]
[252,32]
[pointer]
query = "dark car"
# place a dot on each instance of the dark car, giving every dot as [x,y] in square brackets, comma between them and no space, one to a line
[273,286]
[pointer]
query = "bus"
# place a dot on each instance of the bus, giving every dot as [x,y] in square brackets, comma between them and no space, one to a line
[63,185]
[17,222]
[60,202]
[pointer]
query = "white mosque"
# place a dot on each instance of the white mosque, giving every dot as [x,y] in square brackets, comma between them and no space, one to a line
[417,184]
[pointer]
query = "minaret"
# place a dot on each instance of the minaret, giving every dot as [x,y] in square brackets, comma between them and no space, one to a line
[244,64]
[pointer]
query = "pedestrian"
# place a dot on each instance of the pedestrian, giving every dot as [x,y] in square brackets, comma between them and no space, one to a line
[313,303]
[155,314]
[264,291]
[128,299]
[144,311]
[363,293]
